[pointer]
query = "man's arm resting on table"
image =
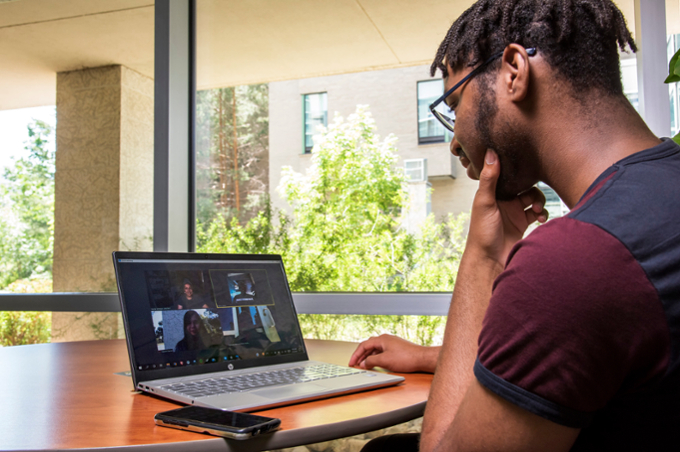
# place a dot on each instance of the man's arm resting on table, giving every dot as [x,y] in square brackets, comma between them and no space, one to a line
[394,354]
[486,422]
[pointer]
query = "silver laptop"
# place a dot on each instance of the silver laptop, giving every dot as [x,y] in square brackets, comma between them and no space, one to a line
[221,330]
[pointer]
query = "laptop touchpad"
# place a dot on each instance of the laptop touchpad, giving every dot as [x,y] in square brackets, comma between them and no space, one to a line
[290,391]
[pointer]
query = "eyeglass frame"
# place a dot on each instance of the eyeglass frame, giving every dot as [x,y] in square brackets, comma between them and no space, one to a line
[444,120]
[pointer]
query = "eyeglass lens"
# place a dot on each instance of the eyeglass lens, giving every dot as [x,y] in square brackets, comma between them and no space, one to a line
[445,115]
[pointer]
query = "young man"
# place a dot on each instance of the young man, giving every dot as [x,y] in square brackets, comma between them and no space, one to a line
[570,338]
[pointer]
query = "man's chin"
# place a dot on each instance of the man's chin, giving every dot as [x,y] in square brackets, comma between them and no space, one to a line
[471,173]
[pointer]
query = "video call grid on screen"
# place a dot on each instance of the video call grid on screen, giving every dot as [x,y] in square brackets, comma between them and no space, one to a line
[233,309]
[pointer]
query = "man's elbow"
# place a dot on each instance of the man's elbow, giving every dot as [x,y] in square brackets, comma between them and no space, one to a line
[431,438]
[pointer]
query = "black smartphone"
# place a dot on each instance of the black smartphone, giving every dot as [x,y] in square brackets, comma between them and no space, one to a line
[228,424]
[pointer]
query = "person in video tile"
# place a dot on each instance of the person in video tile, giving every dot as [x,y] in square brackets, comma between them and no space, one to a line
[192,333]
[189,299]
[245,291]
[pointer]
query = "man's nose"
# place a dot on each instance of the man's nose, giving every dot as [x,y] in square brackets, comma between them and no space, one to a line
[455,147]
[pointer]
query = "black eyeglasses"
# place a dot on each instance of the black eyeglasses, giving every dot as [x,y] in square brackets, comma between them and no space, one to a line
[441,110]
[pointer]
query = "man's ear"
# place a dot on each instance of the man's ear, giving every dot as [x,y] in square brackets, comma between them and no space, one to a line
[515,72]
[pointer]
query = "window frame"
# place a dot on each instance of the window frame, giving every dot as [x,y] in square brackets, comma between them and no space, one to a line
[345,303]
[308,149]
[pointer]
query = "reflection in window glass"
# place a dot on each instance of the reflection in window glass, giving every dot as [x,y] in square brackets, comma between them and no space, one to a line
[316,114]
[429,129]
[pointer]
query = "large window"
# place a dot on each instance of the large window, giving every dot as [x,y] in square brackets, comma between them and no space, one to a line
[337,215]
[343,230]
[316,115]
[80,183]
[429,129]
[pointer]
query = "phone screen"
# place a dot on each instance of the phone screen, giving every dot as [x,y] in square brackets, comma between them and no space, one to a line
[217,417]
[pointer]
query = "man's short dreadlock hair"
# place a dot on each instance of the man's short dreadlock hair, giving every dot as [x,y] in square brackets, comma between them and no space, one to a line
[577,37]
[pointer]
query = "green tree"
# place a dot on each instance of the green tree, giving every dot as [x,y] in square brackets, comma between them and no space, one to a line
[27,235]
[232,152]
[27,204]
[22,328]
[345,233]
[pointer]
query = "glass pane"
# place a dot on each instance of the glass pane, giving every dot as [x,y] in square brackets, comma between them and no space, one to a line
[429,129]
[423,330]
[27,199]
[232,143]
[24,328]
[76,159]
[316,115]
[338,215]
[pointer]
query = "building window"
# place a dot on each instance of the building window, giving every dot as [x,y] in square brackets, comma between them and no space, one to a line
[416,170]
[429,129]
[316,114]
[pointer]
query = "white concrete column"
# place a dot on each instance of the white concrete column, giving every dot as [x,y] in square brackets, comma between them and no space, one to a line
[652,65]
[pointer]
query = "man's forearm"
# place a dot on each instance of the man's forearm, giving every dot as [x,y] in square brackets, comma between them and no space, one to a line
[456,359]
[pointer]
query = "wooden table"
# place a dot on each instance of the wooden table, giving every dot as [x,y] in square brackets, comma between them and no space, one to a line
[67,396]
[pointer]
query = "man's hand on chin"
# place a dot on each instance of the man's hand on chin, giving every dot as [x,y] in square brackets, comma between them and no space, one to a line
[495,226]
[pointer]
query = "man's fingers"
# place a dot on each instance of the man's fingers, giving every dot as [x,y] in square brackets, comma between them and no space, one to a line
[358,355]
[489,176]
[533,201]
[541,216]
[364,349]
[375,361]
[533,197]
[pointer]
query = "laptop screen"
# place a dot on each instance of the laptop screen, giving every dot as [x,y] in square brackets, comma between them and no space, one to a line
[194,313]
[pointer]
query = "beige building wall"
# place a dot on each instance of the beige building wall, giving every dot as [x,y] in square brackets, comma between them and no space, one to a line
[103,186]
[392,98]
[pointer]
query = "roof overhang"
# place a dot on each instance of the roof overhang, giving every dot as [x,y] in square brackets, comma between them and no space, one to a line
[238,42]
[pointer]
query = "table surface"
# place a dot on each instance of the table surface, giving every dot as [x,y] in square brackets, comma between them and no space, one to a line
[67,396]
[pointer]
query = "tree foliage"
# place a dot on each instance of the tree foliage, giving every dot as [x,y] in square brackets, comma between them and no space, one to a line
[23,327]
[232,152]
[27,204]
[27,235]
[344,233]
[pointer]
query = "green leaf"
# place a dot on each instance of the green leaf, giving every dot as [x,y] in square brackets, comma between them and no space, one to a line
[672,79]
[674,69]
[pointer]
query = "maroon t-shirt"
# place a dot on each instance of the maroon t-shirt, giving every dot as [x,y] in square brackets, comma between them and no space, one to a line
[583,324]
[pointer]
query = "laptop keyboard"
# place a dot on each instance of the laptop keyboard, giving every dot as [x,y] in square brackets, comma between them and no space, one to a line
[247,382]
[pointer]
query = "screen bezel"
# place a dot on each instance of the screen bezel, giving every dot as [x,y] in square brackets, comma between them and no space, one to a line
[173,372]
